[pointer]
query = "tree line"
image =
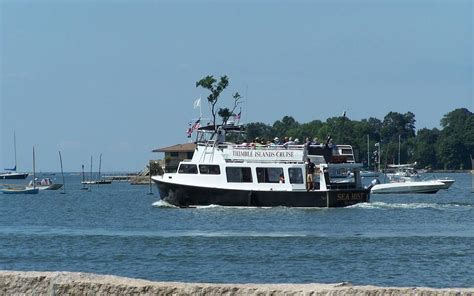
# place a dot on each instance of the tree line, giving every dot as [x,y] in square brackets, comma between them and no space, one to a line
[448,148]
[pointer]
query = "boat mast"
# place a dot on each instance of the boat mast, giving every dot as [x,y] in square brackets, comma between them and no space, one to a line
[399,149]
[90,183]
[100,164]
[62,172]
[368,153]
[14,147]
[34,169]
[83,179]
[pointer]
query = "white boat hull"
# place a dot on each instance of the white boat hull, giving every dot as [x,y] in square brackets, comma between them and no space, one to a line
[408,187]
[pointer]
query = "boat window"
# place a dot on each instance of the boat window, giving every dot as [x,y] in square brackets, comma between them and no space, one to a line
[238,175]
[187,169]
[296,175]
[206,169]
[269,175]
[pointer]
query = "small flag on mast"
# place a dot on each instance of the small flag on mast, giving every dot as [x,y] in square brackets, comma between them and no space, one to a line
[237,116]
[193,127]
[197,103]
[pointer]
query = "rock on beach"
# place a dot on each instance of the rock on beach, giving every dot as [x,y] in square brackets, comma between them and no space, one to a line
[73,283]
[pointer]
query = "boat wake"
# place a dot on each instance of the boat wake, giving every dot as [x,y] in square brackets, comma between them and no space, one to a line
[162,204]
[438,206]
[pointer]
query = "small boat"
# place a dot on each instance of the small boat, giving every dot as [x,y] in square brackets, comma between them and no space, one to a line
[407,173]
[44,184]
[447,182]
[103,181]
[12,173]
[23,190]
[19,190]
[99,181]
[432,186]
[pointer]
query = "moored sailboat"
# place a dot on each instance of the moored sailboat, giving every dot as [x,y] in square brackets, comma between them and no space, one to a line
[12,173]
[25,189]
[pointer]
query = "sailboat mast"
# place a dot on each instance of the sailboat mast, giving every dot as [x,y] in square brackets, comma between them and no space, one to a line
[368,153]
[14,147]
[100,164]
[90,184]
[399,149]
[62,172]
[34,169]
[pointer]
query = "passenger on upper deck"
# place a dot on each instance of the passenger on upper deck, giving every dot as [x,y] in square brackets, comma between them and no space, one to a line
[289,142]
[329,141]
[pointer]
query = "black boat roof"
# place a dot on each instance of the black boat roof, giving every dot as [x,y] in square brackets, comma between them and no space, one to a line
[226,127]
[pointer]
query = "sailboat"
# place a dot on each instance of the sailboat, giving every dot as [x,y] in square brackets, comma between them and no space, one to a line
[12,173]
[99,180]
[23,190]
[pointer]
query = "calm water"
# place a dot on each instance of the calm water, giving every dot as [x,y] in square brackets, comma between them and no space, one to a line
[396,240]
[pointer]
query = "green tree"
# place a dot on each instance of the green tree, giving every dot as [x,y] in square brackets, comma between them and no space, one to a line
[282,127]
[216,88]
[424,148]
[259,129]
[456,141]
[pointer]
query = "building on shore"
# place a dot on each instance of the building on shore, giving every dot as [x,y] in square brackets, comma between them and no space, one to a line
[175,154]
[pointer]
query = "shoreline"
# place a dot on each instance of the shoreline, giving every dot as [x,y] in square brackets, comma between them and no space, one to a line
[76,283]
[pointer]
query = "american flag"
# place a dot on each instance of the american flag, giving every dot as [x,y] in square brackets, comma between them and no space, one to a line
[196,125]
[237,116]
[193,127]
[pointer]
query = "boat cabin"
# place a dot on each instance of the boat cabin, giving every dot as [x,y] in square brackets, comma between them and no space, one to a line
[267,167]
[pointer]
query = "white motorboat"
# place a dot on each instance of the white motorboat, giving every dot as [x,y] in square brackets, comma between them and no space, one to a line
[447,182]
[406,173]
[432,186]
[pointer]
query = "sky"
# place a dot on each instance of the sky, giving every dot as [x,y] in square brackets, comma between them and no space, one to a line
[86,77]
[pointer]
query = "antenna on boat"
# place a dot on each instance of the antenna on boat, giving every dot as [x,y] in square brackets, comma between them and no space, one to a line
[62,173]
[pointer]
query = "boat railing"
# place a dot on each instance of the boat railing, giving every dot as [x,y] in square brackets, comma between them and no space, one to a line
[266,147]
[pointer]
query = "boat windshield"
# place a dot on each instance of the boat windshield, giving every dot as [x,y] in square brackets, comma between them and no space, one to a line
[221,134]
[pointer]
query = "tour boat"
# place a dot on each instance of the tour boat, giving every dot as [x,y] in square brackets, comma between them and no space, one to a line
[227,171]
